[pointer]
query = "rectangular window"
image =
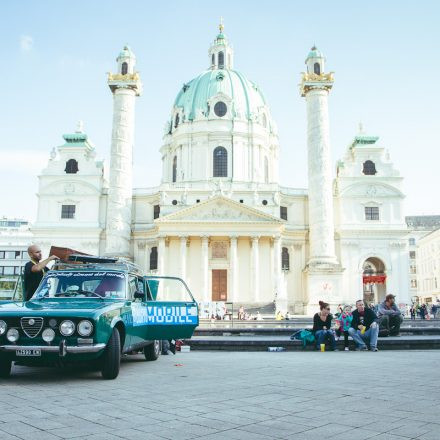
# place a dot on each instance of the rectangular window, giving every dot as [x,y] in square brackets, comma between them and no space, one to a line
[156,211]
[412,254]
[413,269]
[68,211]
[371,213]
[10,255]
[2,255]
[17,270]
[8,270]
[283,212]
[153,258]
[412,241]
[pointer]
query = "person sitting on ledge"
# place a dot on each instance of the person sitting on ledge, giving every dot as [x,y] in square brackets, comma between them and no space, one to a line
[390,317]
[322,327]
[364,329]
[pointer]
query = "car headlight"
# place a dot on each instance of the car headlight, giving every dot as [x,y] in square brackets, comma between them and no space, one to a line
[67,328]
[48,335]
[12,335]
[3,327]
[85,328]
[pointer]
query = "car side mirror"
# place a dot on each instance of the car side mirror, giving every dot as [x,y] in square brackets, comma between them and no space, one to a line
[139,295]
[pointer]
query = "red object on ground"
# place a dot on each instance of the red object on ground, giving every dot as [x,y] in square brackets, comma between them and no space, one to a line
[178,365]
[374,279]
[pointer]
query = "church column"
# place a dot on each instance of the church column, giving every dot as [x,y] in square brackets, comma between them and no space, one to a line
[205,269]
[281,294]
[161,256]
[183,241]
[125,86]
[255,280]
[147,257]
[233,268]
[315,87]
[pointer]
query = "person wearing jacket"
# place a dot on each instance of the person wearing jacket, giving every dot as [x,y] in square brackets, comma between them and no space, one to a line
[364,328]
[390,317]
[322,326]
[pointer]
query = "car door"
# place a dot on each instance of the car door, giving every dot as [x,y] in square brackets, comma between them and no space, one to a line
[170,309]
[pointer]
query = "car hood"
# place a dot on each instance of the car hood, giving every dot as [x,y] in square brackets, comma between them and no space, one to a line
[59,307]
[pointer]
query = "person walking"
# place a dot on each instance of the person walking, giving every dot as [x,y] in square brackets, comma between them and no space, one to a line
[34,271]
[412,312]
[390,317]
[364,328]
[322,326]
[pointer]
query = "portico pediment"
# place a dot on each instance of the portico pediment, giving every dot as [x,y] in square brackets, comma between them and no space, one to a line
[219,210]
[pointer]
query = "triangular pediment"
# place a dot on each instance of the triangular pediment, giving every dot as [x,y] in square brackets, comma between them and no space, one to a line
[219,209]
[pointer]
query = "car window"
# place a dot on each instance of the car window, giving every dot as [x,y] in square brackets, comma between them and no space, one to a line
[132,286]
[168,289]
[82,284]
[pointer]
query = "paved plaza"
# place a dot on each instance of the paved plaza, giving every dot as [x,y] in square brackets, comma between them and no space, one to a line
[231,395]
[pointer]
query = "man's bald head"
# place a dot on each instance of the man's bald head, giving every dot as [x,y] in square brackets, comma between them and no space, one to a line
[34,252]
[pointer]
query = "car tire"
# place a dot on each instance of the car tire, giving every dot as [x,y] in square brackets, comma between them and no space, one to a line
[111,359]
[152,351]
[5,367]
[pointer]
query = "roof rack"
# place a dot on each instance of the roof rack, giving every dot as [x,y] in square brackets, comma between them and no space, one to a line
[76,261]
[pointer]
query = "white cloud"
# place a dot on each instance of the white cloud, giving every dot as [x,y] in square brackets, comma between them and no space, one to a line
[26,43]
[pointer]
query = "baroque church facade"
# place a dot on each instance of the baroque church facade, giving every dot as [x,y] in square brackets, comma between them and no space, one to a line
[220,218]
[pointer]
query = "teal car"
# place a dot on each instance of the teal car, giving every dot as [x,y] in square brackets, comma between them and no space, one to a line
[94,310]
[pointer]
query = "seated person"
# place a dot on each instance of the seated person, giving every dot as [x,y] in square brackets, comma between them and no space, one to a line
[111,287]
[390,317]
[322,326]
[364,329]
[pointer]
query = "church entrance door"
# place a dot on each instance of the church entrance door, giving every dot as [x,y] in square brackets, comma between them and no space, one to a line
[219,284]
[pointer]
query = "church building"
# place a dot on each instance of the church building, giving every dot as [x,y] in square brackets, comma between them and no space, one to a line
[220,218]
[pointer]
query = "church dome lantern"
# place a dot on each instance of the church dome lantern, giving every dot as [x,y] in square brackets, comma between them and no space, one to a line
[315,61]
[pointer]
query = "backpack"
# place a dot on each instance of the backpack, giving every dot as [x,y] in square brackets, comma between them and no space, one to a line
[303,335]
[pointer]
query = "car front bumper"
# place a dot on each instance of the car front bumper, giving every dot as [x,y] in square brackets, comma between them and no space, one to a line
[61,349]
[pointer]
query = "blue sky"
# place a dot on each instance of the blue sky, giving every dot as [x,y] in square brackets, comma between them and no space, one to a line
[55,55]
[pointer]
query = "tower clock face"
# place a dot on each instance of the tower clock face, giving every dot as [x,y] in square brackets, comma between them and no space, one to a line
[220,109]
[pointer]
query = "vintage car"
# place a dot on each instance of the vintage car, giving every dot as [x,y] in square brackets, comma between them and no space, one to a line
[95,310]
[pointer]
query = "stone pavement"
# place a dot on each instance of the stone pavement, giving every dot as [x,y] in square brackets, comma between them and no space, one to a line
[240,395]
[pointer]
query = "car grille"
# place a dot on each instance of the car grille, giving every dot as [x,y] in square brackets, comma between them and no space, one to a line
[31,326]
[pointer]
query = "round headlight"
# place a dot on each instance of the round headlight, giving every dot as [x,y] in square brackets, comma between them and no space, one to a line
[3,327]
[85,328]
[12,335]
[48,335]
[67,328]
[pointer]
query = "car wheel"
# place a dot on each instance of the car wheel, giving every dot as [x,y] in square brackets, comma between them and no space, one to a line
[111,359]
[5,367]
[152,351]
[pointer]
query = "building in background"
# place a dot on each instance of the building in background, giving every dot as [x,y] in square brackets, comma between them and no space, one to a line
[15,238]
[421,256]
[220,217]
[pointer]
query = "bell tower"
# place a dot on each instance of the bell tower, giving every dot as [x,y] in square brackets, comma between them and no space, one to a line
[221,54]
[125,86]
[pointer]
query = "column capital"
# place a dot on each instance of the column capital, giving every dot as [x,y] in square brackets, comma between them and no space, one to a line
[255,238]
[183,238]
[233,238]
[141,244]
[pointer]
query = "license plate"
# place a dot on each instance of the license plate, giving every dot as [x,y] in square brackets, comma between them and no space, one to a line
[27,352]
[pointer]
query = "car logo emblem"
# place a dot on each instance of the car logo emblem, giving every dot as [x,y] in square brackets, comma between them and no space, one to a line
[31,321]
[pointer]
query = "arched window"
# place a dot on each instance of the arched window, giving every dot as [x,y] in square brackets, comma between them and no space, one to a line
[153,258]
[266,170]
[176,120]
[221,60]
[317,68]
[285,259]
[213,59]
[71,166]
[220,165]
[174,168]
[124,68]
[369,168]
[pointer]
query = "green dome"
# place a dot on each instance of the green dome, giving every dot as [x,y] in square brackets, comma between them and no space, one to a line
[247,98]
[314,53]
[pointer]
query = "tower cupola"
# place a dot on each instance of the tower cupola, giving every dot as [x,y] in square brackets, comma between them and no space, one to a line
[221,54]
[315,61]
[126,61]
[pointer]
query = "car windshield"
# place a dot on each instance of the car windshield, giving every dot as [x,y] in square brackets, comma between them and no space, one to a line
[82,285]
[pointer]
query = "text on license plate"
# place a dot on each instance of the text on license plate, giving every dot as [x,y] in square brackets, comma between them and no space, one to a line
[28,352]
